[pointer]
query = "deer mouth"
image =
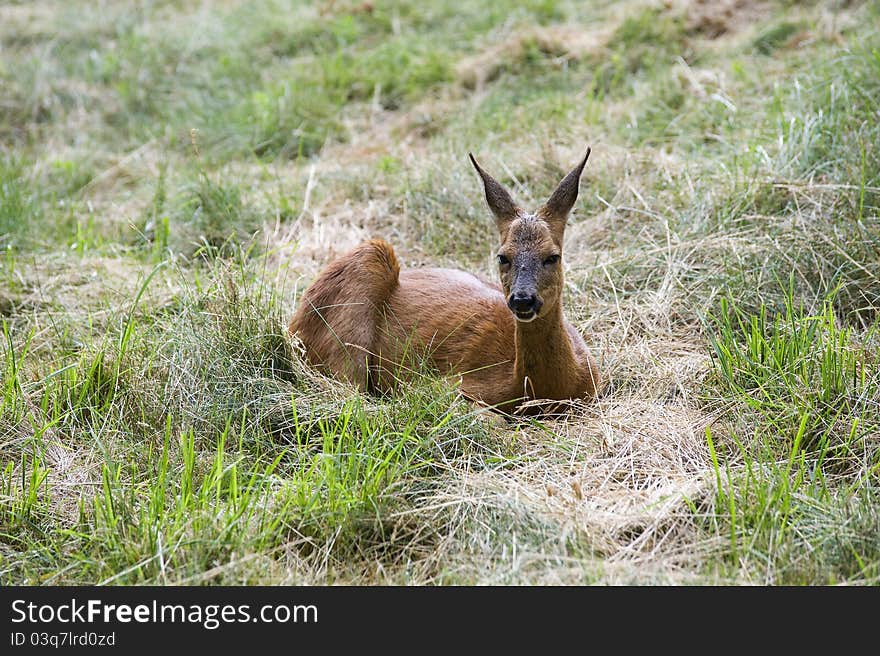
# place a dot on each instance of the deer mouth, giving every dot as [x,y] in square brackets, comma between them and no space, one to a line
[525,317]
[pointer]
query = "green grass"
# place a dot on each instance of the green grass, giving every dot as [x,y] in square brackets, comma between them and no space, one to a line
[775,36]
[802,373]
[642,43]
[806,396]
[788,523]
[172,176]
[19,203]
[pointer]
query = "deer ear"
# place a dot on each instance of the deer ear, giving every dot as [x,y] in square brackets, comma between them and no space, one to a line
[555,210]
[500,202]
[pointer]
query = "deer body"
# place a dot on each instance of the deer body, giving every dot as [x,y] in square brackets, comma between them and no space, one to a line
[367,320]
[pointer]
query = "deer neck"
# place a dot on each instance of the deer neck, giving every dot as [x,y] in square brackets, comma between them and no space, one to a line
[544,356]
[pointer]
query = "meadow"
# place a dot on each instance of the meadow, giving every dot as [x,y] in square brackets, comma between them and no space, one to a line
[174,173]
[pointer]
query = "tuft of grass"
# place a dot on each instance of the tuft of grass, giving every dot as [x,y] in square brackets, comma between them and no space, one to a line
[24,491]
[19,203]
[803,375]
[645,41]
[167,517]
[774,37]
[774,512]
[205,216]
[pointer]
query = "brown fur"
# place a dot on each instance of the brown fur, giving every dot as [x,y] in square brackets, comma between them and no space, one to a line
[365,320]
[339,315]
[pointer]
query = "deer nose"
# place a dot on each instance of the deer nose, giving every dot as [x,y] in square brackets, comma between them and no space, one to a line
[523,303]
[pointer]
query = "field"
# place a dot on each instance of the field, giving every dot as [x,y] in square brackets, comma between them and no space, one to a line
[173,174]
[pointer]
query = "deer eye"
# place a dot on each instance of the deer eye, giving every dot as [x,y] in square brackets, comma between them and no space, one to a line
[503,261]
[550,261]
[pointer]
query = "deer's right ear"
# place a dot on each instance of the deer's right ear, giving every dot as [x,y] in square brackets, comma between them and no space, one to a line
[500,202]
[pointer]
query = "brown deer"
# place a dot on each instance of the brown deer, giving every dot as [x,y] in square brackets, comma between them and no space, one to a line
[363,318]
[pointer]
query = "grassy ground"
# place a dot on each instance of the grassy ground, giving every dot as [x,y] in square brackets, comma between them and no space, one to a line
[172,174]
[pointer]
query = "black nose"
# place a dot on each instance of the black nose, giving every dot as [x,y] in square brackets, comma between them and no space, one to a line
[523,303]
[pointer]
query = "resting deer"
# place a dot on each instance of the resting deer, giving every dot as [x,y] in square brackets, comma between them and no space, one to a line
[364,317]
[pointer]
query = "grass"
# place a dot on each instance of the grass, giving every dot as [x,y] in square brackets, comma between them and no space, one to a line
[802,373]
[171,178]
[18,203]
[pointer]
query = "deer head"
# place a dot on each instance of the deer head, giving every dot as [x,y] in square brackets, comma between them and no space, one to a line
[530,255]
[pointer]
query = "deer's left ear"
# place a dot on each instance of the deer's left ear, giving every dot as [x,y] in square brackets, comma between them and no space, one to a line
[555,211]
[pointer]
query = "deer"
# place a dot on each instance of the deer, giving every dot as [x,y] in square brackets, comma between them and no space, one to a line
[364,318]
